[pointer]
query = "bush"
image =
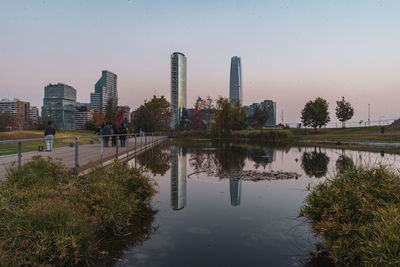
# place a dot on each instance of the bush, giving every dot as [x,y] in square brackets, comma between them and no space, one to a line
[50,215]
[358,215]
[265,136]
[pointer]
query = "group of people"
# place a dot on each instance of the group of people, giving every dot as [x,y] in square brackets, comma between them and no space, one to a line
[112,129]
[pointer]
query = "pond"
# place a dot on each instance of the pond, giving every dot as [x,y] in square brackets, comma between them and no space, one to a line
[206,218]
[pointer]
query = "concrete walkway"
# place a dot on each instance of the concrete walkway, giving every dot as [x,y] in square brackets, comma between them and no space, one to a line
[88,156]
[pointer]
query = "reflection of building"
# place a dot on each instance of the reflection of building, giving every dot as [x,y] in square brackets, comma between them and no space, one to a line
[104,89]
[267,105]
[59,105]
[178,87]
[236,84]
[178,178]
[235,188]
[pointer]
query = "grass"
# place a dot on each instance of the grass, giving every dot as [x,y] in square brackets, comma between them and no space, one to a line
[50,215]
[358,215]
[275,136]
[7,149]
[357,134]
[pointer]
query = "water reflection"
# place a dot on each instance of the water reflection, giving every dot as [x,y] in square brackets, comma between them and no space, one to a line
[344,163]
[156,160]
[178,178]
[315,163]
[235,188]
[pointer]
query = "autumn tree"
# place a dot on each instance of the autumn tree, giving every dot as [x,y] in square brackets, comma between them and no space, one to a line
[153,116]
[111,110]
[315,113]
[258,118]
[238,116]
[223,117]
[120,116]
[208,105]
[6,120]
[344,111]
[196,118]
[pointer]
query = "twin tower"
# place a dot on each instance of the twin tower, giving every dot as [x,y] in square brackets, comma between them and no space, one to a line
[179,87]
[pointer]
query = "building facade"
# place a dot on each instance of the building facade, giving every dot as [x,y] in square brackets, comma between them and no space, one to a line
[269,106]
[59,105]
[34,114]
[104,89]
[84,114]
[17,108]
[235,82]
[178,178]
[178,87]
[127,114]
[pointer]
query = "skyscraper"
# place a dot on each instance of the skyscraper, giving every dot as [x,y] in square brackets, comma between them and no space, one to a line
[59,105]
[178,87]
[236,85]
[104,89]
[235,190]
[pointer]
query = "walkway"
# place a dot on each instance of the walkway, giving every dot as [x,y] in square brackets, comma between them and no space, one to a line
[88,155]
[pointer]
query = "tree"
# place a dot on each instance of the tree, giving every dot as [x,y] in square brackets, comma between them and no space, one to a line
[238,116]
[97,116]
[6,120]
[208,105]
[223,118]
[344,111]
[120,116]
[184,120]
[196,118]
[111,110]
[153,116]
[315,113]
[258,118]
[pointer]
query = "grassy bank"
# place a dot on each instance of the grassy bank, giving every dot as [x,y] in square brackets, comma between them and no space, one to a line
[276,136]
[35,134]
[358,216]
[357,134]
[50,215]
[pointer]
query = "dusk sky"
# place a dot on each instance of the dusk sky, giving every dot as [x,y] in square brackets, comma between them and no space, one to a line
[291,51]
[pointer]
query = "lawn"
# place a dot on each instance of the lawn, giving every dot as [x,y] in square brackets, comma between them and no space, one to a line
[7,149]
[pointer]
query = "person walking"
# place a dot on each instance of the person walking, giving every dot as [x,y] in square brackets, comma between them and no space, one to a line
[49,133]
[122,137]
[106,131]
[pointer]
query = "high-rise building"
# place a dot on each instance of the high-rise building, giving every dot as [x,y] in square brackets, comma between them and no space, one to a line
[83,115]
[19,109]
[59,105]
[236,84]
[178,87]
[269,106]
[178,178]
[34,114]
[104,89]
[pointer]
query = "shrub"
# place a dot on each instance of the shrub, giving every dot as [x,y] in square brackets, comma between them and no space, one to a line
[49,215]
[358,215]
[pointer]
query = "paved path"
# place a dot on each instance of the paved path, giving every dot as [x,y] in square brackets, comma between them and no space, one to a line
[89,154]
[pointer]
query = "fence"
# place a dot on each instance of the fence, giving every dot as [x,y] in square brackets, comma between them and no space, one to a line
[350,124]
[83,152]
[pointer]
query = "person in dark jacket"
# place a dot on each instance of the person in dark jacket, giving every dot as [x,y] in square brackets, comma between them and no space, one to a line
[49,133]
[114,138]
[122,131]
[106,131]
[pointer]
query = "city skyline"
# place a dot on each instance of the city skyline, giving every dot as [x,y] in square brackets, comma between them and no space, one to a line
[293,52]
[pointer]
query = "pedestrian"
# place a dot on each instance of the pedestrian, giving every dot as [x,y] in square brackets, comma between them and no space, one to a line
[106,131]
[49,134]
[114,137]
[122,132]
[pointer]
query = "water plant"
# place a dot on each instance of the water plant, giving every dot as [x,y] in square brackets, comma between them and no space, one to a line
[358,215]
[51,215]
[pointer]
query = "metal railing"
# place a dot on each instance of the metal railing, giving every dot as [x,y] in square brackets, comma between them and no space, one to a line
[140,142]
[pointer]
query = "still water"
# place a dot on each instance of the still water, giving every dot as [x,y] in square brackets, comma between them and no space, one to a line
[205,220]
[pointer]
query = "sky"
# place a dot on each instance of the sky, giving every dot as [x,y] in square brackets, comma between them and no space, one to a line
[292,51]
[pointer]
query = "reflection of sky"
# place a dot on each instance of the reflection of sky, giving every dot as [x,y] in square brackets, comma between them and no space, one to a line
[262,231]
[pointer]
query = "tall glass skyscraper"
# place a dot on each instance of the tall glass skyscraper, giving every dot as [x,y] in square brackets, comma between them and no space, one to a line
[105,88]
[236,85]
[178,87]
[59,105]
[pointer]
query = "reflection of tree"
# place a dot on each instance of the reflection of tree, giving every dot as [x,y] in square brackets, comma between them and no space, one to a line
[156,160]
[112,247]
[230,158]
[315,163]
[261,157]
[343,164]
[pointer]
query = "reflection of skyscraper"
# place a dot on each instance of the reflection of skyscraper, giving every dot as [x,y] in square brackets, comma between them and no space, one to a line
[178,178]
[178,87]
[235,85]
[235,188]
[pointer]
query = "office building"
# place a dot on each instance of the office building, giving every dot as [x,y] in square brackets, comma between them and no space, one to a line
[104,89]
[17,108]
[178,87]
[236,84]
[269,106]
[84,114]
[127,114]
[59,105]
[178,178]
[34,114]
